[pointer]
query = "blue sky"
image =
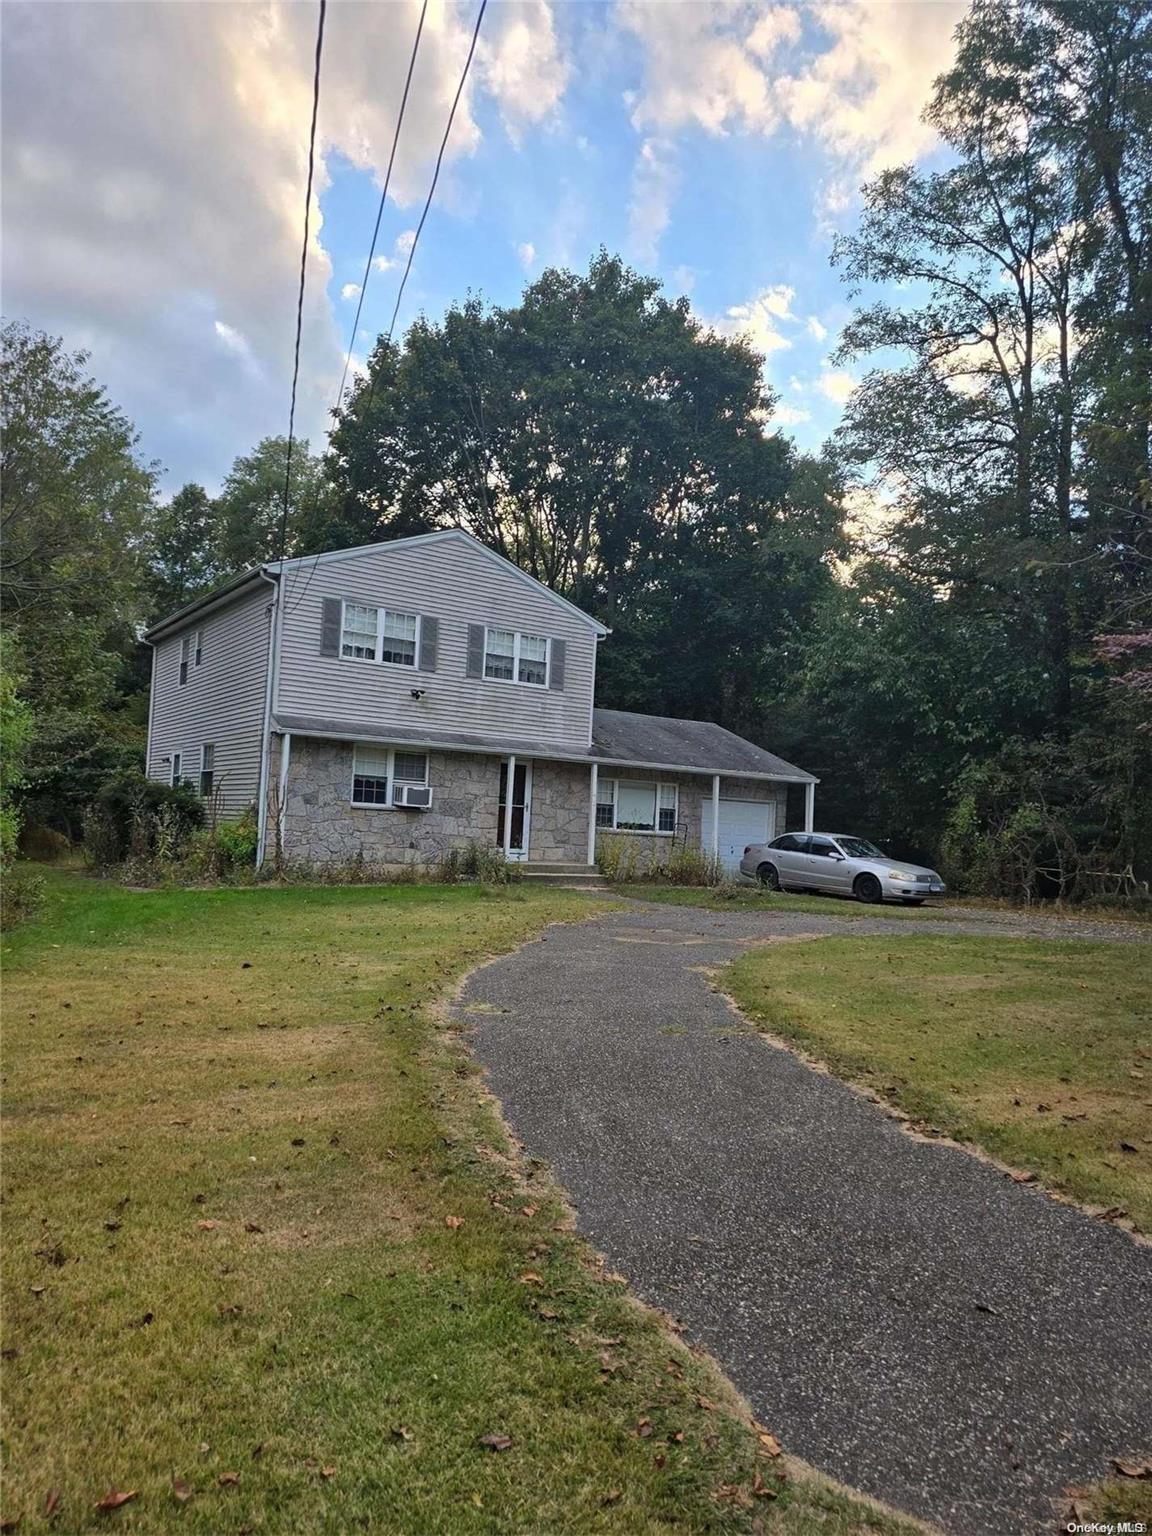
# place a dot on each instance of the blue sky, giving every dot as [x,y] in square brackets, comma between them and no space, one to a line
[154,159]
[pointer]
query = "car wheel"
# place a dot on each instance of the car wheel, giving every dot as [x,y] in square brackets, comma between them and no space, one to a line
[768,875]
[868,888]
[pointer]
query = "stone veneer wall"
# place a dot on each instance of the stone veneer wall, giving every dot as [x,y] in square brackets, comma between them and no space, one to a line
[322,826]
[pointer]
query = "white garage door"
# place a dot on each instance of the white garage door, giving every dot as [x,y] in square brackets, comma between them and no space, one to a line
[741,822]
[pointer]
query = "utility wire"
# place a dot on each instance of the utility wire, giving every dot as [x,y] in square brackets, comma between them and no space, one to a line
[383,200]
[419,227]
[303,268]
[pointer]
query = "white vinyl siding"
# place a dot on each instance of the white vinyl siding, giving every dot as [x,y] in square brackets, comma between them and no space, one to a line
[458,585]
[636,805]
[222,702]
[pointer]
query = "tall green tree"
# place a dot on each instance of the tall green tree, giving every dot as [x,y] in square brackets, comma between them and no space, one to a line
[182,554]
[601,438]
[250,508]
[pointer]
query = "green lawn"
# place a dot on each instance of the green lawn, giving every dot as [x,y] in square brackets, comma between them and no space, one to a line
[271,1266]
[751,898]
[1038,1051]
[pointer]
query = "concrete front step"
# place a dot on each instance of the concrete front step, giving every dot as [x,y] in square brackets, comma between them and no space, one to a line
[583,876]
[557,867]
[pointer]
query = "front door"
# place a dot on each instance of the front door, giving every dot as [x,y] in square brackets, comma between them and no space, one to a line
[520,809]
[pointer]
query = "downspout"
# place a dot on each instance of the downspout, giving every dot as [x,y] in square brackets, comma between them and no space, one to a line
[266,731]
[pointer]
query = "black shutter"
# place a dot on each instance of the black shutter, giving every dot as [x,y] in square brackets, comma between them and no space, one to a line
[475,667]
[429,644]
[330,627]
[556,671]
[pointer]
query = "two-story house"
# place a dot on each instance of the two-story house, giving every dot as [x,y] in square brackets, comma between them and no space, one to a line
[400,699]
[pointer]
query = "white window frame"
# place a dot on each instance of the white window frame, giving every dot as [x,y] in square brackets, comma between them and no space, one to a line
[206,747]
[185,658]
[381,611]
[176,773]
[390,752]
[198,647]
[661,786]
[516,681]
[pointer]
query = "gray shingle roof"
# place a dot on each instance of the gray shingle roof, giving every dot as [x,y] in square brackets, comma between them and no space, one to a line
[620,736]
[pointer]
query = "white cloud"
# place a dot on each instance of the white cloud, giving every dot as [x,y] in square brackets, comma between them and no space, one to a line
[526,251]
[350,291]
[522,65]
[154,167]
[836,385]
[789,415]
[384,263]
[654,182]
[726,66]
[815,328]
[404,242]
[758,319]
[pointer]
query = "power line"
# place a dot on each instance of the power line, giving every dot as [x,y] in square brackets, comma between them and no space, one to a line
[383,200]
[419,227]
[303,268]
[439,162]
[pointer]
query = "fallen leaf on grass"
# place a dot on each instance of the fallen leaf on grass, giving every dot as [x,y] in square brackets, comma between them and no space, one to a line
[51,1503]
[251,1226]
[706,1403]
[1022,1178]
[228,1479]
[1127,1146]
[528,1210]
[327,1472]
[454,1223]
[205,1226]
[401,1432]
[613,1496]
[547,1314]
[495,1442]
[761,1489]
[770,1443]
[114,1498]
[530,1277]
[644,1428]
[10,1523]
[181,1490]
[1127,1468]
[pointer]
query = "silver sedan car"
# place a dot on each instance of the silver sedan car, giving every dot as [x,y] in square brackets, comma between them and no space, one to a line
[840,865]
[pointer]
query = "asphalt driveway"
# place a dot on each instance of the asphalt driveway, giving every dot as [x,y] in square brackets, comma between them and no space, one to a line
[902,1315]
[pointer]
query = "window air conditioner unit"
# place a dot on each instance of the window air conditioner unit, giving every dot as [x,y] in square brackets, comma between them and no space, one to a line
[412,797]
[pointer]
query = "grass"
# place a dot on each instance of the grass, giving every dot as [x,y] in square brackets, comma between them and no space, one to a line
[1036,1050]
[272,1266]
[751,898]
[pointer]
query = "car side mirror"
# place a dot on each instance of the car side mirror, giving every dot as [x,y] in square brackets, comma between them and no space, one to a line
[839,857]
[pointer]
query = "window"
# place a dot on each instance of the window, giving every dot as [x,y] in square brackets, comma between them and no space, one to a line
[375,768]
[512,657]
[636,805]
[176,760]
[184,660]
[790,843]
[398,639]
[822,848]
[410,767]
[370,776]
[358,635]
[379,634]
[198,646]
[207,765]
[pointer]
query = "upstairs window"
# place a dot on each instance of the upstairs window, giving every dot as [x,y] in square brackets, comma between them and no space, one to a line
[379,634]
[176,766]
[207,769]
[198,646]
[184,645]
[512,657]
[636,805]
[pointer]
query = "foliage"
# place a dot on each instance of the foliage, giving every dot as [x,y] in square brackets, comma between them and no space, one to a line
[476,862]
[623,860]
[21,894]
[135,817]
[183,557]
[237,841]
[249,512]
[16,728]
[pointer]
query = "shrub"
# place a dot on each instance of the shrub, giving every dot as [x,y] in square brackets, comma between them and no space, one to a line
[43,844]
[237,840]
[141,818]
[475,862]
[21,894]
[692,866]
[624,860]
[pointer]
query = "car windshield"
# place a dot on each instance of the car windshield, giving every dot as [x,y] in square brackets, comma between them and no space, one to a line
[859,848]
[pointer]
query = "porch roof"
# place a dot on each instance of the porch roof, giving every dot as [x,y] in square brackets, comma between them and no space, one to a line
[620,739]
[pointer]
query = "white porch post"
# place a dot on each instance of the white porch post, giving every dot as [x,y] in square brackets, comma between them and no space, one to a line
[809,806]
[282,792]
[715,815]
[593,790]
[508,793]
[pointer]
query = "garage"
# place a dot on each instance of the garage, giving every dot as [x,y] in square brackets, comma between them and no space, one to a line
[741,822]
